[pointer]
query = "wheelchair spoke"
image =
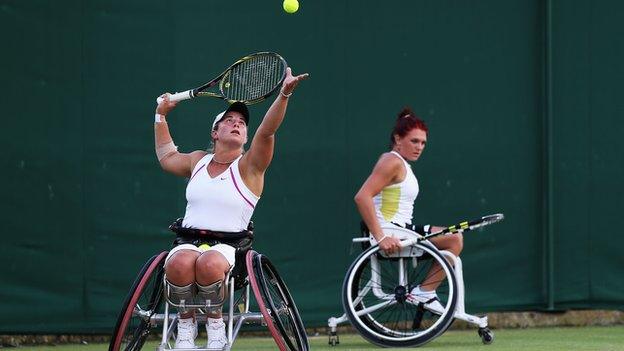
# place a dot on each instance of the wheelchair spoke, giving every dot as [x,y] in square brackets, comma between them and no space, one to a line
[376,307]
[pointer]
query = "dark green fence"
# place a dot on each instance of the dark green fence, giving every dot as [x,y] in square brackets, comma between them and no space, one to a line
[523,100]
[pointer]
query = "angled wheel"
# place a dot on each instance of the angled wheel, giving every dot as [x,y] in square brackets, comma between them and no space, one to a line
[143,300]
[378,299]
[276,304]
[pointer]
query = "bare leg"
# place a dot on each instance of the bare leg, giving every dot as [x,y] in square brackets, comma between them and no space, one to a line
[180,270]
[453,243]
[212,267]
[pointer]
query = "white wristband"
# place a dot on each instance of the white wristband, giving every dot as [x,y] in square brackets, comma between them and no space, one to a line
[285,95]
[158,118]
[382,239]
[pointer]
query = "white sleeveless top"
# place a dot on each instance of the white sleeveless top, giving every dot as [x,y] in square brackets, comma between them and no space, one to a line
[395,203]
[223,203]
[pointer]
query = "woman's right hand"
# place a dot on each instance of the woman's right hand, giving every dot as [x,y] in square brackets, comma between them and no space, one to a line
[390,245]
[165,106]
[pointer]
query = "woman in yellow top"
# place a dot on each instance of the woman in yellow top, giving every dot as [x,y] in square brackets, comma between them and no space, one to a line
[388,195]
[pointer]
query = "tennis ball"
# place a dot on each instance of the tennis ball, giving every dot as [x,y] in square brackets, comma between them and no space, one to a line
[291,6]
[204,247]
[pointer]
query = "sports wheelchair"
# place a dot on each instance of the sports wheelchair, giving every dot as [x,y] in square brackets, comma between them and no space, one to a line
[378,293]
[149,304]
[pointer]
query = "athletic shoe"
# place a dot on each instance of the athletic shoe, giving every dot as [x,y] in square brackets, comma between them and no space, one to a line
[216,334]
[428,298]
[187,332]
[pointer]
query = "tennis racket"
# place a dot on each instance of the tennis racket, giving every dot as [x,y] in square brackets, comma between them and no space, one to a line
[461,227]
[466,226]
[249,80]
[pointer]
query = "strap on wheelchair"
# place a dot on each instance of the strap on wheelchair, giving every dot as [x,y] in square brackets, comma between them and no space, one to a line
[418,228]
[193,233]
[420,312]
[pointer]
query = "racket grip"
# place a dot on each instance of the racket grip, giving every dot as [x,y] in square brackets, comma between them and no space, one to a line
[185,95]
[408,242]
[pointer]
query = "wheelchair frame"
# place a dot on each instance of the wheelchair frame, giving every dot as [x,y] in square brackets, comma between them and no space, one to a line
[412,250]
[278,308]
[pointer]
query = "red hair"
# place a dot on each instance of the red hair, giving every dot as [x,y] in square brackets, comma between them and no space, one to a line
[405,122]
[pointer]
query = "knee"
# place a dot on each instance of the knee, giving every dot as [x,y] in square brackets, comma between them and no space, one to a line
[457,244]
[210,267]
[180,268]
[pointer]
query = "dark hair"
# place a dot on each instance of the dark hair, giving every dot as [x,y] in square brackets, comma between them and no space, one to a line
[405,122]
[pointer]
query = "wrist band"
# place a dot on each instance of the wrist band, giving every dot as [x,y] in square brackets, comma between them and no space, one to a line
[285,95]
[382,238]
[158,118]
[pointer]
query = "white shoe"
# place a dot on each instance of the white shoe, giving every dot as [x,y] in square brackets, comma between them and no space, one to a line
[216,334]
[187,332]
[428,298]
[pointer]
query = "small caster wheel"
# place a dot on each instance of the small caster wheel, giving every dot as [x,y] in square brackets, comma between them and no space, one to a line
[486,335]
[333,339]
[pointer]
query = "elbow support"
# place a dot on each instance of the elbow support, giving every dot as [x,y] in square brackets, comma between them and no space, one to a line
[165,150]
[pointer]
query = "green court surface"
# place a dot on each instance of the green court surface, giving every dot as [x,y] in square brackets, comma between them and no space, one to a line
[536,339]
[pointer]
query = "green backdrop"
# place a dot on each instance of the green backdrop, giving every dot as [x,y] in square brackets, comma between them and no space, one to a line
[522,98]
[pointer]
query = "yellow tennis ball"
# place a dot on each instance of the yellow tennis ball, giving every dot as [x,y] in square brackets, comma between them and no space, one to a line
[291,6]
[204,247]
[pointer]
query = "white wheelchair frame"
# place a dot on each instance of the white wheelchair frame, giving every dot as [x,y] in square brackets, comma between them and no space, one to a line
[409,239]
[169,320]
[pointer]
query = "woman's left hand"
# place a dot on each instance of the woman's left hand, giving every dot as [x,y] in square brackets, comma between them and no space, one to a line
[291,82]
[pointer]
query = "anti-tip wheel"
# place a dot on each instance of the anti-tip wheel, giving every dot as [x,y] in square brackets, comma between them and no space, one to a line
[486,335]
[333,339]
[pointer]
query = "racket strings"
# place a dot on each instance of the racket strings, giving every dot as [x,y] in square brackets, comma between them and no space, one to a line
[253,78]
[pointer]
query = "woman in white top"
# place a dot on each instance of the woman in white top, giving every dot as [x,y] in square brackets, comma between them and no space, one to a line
[387,196]
[223,189]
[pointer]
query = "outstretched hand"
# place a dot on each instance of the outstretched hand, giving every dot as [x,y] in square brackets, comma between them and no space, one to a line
[291,82]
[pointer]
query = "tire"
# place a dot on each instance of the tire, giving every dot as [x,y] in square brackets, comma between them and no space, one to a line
[145,296]
[276,304]
[376,297]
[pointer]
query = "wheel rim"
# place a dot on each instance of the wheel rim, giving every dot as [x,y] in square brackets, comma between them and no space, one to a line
[145,299]
[255,286]
[276,304]
[281,305]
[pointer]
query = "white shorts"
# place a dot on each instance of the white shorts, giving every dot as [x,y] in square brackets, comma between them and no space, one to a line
[226,250]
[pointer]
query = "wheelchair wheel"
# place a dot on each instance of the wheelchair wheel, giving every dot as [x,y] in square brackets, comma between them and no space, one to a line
[377,296]
[276,304]
[143,300]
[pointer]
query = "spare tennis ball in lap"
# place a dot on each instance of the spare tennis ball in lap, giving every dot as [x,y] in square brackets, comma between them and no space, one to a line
[291,6]
[204,247]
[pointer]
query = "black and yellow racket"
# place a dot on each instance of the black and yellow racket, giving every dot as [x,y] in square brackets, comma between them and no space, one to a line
[467,225]
[249,80]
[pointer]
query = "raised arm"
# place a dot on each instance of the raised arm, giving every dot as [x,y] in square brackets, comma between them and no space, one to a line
[170,159]
[257,159]
[386,172]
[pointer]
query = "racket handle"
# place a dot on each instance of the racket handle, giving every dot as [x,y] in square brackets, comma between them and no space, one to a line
[408,242]
[185,95]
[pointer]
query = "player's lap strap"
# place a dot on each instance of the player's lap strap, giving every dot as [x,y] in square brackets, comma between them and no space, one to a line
[418,228]
[193,233]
